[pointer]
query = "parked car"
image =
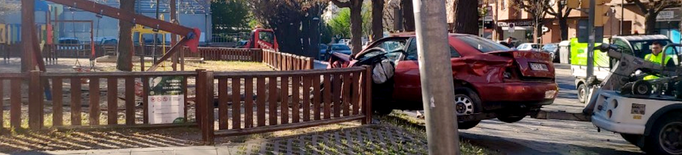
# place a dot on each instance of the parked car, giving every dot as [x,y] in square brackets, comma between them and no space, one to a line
[529,47]
[552,49]
[491,80]
[338,48]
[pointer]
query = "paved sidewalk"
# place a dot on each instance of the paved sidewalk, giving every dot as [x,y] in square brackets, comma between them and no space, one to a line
[367,139]
[190,150]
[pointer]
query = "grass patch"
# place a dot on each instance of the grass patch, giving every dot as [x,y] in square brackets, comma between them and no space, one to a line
[417,127]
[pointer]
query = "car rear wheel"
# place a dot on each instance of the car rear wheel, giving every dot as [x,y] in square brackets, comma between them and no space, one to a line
[511,118]
[467,102]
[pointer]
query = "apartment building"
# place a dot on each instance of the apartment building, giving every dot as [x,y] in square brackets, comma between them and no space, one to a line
[623,18]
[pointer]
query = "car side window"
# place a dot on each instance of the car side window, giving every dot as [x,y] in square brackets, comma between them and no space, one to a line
[412,51]
[623,46]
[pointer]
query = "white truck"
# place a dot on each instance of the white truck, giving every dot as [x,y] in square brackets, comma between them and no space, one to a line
[637,45]
[651,121]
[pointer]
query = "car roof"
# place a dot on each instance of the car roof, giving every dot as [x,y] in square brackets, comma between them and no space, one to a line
[412,34]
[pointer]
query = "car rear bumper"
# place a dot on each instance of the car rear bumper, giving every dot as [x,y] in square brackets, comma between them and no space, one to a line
[528,94]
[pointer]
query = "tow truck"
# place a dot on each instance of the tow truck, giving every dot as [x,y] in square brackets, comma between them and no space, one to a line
[632,44]
[647,114]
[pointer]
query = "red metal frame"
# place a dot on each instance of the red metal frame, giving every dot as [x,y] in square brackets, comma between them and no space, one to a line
[190,35]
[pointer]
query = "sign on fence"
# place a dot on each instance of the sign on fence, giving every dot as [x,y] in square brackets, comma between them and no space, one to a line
[166,99]
[3,34]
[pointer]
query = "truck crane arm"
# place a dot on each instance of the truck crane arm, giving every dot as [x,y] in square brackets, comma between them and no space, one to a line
[190,35]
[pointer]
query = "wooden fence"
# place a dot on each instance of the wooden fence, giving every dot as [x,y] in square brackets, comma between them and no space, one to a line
[246,102]
[75,100]
[286,61]
[254,102]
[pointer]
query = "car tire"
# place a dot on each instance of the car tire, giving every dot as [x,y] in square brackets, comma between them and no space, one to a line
[658,142]
[467,125]
[582,90]
[512,118]
[467,102]
[630,138]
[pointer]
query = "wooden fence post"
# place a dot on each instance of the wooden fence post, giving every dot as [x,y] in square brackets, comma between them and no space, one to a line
[367,96]
[204,101]
[35,101]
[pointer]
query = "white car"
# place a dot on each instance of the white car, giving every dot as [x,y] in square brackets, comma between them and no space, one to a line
[529,47]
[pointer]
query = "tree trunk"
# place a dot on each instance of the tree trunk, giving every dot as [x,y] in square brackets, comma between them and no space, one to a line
[356,27]
[305,35]
[563,25]
[467,14]
[408,15]
[377,19]
[125,44]
[650,23]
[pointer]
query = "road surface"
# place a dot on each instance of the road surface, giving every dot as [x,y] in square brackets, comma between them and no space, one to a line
[535,136]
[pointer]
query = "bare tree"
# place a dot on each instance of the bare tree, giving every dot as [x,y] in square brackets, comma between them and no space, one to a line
[377,19]
[355,22]
[651,10]
[124,61]
[466,20]
[560,13]
[537,10]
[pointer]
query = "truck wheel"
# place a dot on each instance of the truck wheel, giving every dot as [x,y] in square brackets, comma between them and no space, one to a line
[632,139]
[666,135]
[582,89]
[641,87]
[467,102]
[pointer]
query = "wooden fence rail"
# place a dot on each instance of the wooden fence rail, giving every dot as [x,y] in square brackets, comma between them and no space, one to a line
[270,101]
[76,100]
[286,61]
[246,102]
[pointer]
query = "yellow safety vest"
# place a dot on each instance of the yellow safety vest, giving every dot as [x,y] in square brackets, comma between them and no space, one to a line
[657,60]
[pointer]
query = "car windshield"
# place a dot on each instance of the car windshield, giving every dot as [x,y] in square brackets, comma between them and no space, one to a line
[482,44]
[643,47]
[340,47]
[549,47]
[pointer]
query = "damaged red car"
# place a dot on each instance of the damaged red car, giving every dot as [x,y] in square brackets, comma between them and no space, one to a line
[491,80]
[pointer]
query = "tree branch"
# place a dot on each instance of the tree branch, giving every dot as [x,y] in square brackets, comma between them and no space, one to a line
[662,5]
[568,12]
[341,4]
[640,5]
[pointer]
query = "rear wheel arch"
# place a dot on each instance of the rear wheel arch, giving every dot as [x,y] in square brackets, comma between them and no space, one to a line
[674,108]
[464,84]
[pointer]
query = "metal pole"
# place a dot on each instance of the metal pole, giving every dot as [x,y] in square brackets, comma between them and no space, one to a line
[156,35]
[173,18]
[590,42]
[496,35]
[436,77]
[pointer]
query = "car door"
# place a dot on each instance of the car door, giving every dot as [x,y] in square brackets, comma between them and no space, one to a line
[407,81]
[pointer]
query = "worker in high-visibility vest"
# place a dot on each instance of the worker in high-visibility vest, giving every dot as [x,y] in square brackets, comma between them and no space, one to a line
[656,57]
